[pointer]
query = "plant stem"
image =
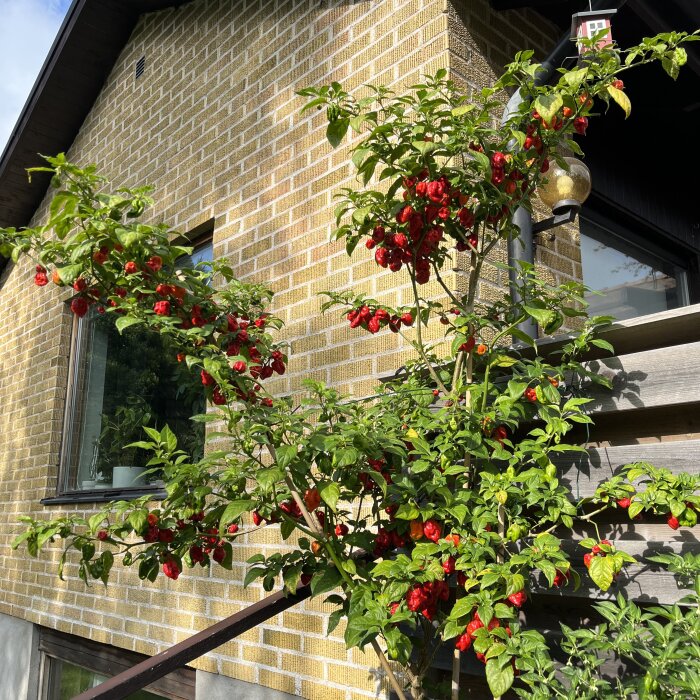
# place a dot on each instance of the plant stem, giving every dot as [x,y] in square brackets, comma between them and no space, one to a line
[448,291]
[419,344]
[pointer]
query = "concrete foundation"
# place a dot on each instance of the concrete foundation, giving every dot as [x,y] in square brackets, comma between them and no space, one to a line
[212,686]
[19,659]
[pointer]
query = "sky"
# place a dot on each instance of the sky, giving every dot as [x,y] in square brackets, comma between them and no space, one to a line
[27,30]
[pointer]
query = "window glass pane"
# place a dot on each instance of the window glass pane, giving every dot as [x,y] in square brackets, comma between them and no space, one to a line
[66,681]
[633,281]
[202,253]
[122,382]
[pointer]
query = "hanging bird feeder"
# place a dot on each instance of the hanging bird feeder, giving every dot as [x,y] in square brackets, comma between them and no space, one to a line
[585,25]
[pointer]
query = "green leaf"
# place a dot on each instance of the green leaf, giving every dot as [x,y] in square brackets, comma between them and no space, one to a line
[325,580]
[548,569]
[233,511]
[407,511]
[267,477]
[227,562]
[252,574]
[636,507]
[515,583]
[359,216]
[359,156]
[285,454]
[291,576]
[462,607]
[503,361]
[543,316]
[621,98]
[346,456]
[95,521]
[356,630]
[548,106]
[330,493]
[452,629]
[148,569]
[601,572]
[462,109]
[137,519]
[575,77]
[168,438]
[287,528]
[357,121]
[124,322]
[69,273]
[314,103]
[128,238]
[351,244]
[522,336]
[604,344]
[495,650]
[333,619]
[499,675]
[336,131]
[379,480]
[424,147]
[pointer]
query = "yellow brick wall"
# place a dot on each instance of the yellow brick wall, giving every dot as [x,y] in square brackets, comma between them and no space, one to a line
[214,125]
[482,41]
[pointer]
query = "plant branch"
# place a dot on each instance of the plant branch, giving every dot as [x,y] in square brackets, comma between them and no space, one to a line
[419,344]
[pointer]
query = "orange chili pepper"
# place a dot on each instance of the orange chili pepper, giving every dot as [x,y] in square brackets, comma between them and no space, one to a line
[416,529]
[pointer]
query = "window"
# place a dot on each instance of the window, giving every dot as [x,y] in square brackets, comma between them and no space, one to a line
[117,384]
[596,26]
[71,665]
[634,276]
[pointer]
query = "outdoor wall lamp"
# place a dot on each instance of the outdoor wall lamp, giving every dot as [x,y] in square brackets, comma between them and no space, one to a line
[564,193]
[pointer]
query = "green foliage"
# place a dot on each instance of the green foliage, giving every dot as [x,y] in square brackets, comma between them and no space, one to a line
[428,509]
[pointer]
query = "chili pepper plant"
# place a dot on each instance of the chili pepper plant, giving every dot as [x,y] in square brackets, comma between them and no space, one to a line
[427,514]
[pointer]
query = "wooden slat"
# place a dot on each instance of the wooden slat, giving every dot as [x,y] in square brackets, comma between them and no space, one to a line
[641,548]
[659,330]
[624,531]
[636,583]
[647,379]
[643,582]
[582,473]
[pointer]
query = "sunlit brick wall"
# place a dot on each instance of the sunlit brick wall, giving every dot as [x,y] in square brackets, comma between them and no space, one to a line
[214,125]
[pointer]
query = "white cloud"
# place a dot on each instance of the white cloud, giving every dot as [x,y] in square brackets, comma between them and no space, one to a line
[27,30]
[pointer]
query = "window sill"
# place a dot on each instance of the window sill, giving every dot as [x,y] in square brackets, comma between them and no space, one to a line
[103,496]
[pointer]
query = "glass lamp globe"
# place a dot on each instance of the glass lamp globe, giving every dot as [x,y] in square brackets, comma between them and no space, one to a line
[566,188]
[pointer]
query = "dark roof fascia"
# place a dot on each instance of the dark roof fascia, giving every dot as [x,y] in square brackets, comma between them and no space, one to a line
[93,34]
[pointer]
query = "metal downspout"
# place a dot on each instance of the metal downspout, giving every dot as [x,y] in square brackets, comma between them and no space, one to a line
[522,246]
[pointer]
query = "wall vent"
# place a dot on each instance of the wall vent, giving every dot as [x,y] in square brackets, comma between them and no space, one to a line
[140,67]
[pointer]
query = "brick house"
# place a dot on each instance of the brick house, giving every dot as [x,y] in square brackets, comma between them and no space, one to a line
[197,97]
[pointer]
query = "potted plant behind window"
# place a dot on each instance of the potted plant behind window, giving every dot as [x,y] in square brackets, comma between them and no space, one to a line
[117,464]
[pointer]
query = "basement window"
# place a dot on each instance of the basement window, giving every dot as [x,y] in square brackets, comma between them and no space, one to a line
[71,665]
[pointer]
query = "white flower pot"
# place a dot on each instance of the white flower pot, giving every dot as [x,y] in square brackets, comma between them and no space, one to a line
[124,477]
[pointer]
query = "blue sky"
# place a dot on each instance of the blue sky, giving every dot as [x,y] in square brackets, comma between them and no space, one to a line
[27,30]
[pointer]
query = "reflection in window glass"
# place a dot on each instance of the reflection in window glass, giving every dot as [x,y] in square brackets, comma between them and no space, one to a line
[123,383]
[67,680]
[202,253]
[633,282]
